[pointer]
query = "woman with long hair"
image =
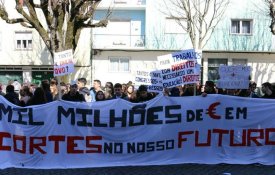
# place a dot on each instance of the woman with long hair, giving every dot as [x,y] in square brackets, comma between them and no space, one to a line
[131,93]
[100,96]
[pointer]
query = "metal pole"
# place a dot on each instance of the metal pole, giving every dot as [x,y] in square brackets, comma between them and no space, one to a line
[59,87]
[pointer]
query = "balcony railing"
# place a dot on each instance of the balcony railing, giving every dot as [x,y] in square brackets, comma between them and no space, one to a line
[118,41]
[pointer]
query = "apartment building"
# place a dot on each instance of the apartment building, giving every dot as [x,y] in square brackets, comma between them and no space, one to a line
[139,32]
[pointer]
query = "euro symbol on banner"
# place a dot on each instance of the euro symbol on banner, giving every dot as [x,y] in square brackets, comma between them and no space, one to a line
[211,111]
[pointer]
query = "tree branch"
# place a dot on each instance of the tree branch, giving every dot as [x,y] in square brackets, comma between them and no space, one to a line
[4,15]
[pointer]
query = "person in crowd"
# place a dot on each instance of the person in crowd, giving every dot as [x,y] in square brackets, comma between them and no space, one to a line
[63,87]
[166,91]
[68,85]
[143,94]
[130,93]
[25,95]
[32,88]
[130,90]
[221,91]
[268,91]
[130,83]
[231,92]
[11,95]
[1,90]
[124,88]
[54,89]
[209,87]
[180,89]
[252,90]
[109,84]
[38,98]
[109,93]
[17,86]
[109,90]
[243,93]
[82,89]
[100,96]
[10,82]
[188,90]
[45,84]
[118,91]
[96,87]
[198,88]
[174,92]
[73,94]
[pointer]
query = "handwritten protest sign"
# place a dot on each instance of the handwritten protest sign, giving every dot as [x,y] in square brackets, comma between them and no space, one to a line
[151,78]
[234,77]
[63,63]
[180,68]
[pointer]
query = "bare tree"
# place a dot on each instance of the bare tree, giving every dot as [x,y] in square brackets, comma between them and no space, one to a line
[271,4]
[197,17]
[64,20]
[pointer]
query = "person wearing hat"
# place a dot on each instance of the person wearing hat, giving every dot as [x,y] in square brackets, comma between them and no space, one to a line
[73,94]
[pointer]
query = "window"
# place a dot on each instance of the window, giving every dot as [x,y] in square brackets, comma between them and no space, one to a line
[172,26]
[23,40]
[241,27]
[119,64]
[236,61]
[213,68]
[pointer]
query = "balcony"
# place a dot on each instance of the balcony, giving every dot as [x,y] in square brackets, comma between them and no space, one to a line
[123,4]
[118,41]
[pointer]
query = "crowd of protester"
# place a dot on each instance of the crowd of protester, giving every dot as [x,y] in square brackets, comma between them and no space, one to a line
[78,91]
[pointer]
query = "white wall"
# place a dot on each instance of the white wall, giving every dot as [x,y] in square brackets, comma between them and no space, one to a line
[263,64]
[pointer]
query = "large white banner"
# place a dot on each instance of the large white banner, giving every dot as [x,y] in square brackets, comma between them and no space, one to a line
[166,130]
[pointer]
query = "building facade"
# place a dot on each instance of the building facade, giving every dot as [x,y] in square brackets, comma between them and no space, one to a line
[139,32]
